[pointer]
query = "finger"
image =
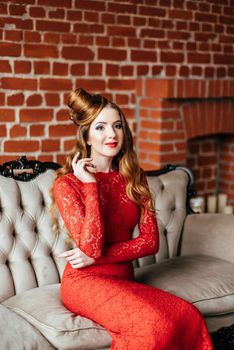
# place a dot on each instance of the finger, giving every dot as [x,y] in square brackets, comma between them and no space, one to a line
[76,261]
[78,266]
[73,257]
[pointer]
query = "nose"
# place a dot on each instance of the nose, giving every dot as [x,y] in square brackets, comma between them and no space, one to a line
[111,133]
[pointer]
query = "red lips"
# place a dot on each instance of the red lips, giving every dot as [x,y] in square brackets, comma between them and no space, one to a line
[111,144]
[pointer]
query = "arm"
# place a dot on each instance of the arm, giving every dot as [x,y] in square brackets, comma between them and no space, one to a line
[83,220]
[145,244]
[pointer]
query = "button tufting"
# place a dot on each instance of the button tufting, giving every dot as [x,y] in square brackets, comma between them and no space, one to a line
[162,187]
[165,231]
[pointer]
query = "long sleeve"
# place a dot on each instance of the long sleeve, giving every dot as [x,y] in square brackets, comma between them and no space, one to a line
[82,217]
[145,244]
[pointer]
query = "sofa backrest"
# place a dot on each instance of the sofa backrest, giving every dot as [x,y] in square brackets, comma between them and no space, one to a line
[29,248]
[169,193]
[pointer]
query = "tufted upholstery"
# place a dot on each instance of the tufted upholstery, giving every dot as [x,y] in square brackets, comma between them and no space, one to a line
[195,260]
[169,194]
[28,248]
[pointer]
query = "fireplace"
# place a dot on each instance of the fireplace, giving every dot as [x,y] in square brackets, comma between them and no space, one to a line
[189,122]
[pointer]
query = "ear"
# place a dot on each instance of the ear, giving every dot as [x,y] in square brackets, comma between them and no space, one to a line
[88,143]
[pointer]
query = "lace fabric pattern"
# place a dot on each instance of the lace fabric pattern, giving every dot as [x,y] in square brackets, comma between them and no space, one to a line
[101,219]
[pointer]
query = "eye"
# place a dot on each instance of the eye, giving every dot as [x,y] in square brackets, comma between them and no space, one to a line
[118,126]
[99,127]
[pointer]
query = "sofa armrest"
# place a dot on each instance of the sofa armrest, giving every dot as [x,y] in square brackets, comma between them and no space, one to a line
[209,234]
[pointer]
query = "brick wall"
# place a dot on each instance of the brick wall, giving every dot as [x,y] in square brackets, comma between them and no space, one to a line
[116,48]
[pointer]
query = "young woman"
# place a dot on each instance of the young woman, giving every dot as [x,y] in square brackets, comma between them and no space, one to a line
[102,194]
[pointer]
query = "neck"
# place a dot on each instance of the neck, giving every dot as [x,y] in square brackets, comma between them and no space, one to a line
[103,164]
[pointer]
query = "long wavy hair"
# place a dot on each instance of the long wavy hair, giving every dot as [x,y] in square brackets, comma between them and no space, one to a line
[84,108]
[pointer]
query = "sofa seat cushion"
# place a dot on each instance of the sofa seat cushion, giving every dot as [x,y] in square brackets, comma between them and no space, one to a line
[205,281]
[17,334]
[42,307]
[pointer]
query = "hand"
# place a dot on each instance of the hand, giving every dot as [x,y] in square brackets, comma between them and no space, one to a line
[77,258]
[83,169]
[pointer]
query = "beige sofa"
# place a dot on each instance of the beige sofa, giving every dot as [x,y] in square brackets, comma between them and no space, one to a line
[195,261]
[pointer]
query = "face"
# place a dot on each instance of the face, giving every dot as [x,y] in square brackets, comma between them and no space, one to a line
[106,134]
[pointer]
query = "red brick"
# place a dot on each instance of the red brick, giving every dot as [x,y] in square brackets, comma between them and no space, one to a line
[112,69]
[121,31]
[174,57]
[122,8]
[52,38]
[19,23]
[142,70]
[78,69]
[2,99]
[58,13]
[13,35]
[50,145]
[52,99]
[37,130]
[18,131]
[60,68]
[104,41]
[183,35]
[68,145]
[22,67]
[121,84]
[46,158]
[3,9]
[74,15]
[181,14]
[34,100]
[223,59]
[17,10]
[170,71]
[68,38]
[86,40]
[52,26]
[62,130]
[62,114]
[37,11]
[77,53]
[5,66]
[127,70]
[9,49]
[112,54]
[95,69]
[205,17]
[89,28]
[27,146]
[15,100]
[3,130]
[41,67]
[91,84]
[143,56]
[153,33]
[55,84]
[122,99]
[151,11]
[125,20]
[36,115]
[90,4]
[41,51]
[30,36]
[17,83]
[198,57]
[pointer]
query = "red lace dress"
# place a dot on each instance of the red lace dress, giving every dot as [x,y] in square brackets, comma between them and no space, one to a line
[101,220]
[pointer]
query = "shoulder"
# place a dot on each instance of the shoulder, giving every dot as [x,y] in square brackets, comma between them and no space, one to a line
[67,180]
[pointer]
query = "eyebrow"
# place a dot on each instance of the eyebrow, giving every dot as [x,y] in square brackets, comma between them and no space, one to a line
[119,120]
